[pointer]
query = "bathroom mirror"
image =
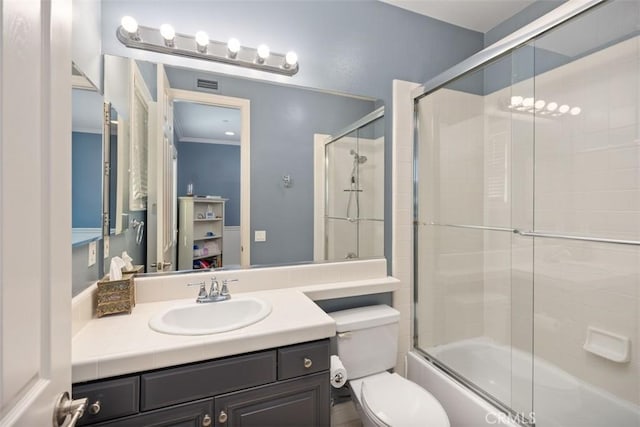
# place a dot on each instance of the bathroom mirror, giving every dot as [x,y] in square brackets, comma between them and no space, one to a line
[87,106]
[284,122]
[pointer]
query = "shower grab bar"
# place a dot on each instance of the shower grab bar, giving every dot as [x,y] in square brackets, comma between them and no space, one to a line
[538,234]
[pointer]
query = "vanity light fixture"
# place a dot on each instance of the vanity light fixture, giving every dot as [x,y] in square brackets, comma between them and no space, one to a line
[263,53]
[166,40]
[233,46]
[168,34]
[202,41]
[130,25]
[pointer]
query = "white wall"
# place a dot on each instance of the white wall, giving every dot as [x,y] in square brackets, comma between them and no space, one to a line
[86,39]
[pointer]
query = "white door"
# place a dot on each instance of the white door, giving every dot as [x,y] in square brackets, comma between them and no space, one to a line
[165,179]
[35,209]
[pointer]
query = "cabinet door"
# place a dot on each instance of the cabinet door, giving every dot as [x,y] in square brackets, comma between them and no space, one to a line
[300,402]
[195,414]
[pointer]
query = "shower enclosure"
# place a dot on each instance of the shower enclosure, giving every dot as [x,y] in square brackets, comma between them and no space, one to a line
[527,219]
[354,190]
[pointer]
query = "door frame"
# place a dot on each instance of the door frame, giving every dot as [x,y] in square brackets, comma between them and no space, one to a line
[244,105]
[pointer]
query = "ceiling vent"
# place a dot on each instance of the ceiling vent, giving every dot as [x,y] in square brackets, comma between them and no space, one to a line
[207,84]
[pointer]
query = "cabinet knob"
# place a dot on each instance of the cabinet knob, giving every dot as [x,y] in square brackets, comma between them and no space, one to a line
[307,362]
[206,421]
[94,408]
[222,418]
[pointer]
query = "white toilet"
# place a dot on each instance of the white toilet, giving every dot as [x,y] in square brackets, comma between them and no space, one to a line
[367,347]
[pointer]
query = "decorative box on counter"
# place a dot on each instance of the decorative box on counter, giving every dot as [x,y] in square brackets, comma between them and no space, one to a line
[115,296]
[136,269]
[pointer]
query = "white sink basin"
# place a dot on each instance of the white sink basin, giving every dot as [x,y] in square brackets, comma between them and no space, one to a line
[210,318]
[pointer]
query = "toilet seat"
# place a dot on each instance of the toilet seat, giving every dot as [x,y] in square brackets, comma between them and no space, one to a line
[393,401]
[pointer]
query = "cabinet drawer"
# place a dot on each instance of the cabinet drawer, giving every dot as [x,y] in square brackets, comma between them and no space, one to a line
[193,414]
[114,398]
[303,359]
[197,381]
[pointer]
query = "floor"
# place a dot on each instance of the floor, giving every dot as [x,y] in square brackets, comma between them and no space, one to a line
[345,415]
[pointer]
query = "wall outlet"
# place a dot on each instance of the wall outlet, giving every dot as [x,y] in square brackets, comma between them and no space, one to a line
[106,247]
[260,236]
[93,253]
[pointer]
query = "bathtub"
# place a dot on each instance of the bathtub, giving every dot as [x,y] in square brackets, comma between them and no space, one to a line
[560,399]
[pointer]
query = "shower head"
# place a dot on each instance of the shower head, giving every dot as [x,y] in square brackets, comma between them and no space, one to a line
[358,158]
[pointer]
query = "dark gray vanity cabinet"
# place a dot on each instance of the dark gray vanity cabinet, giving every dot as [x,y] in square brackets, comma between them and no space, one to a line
[299,402]
[278,387]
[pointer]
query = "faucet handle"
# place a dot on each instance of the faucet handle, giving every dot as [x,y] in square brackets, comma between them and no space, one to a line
[214,290]
[202,293]
[225,290]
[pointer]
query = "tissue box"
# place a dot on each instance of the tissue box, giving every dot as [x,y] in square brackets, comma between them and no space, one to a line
[115,296]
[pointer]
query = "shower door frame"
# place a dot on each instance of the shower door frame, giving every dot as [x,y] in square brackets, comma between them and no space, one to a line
[501,48]
[322,141]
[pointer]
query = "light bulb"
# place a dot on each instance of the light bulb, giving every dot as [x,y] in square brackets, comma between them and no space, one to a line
[575,111]
[263,52]
[516,101]
[290,59]
[527,102]
[234,47]
[167,32]
[552,106]
[563,108]
[202,40]
[539,105]
[129,24]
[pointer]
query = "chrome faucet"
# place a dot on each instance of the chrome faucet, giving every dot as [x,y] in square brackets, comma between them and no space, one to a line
[216,293]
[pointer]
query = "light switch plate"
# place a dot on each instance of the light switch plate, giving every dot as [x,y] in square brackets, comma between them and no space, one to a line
[106,247]
[260,236]
[93,253]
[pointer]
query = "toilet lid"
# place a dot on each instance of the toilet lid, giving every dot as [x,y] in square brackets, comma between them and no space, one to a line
[398,402]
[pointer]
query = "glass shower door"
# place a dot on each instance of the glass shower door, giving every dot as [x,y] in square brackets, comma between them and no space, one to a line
[354,193]
[474,281]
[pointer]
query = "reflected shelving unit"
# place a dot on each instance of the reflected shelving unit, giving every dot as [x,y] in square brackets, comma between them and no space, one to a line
[200,232]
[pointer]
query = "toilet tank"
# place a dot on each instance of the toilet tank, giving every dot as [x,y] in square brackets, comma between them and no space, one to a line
[367,339]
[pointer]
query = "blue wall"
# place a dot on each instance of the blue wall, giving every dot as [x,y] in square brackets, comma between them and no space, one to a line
[86,158]
[214,169]
[283,121]
[355,47]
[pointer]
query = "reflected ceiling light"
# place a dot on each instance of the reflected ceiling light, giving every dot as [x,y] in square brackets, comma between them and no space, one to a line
[527,102]
[575,111]
[165,40]
[290,59]
[539,105]
[229,133]
[202,41]
[130,25]
[563,109]
[233,46]
[168,34]
[263,53]
[552,106]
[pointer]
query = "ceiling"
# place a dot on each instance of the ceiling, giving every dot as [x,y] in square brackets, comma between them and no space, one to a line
[478,15]
[206,123]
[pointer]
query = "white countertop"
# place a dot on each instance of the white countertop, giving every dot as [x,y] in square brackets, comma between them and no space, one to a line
[122,344]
